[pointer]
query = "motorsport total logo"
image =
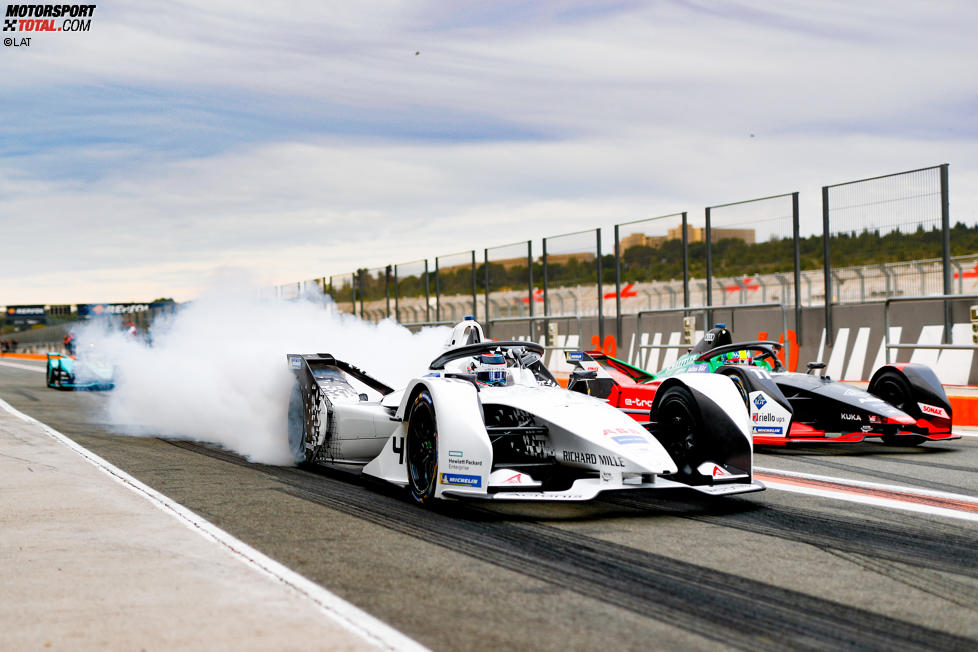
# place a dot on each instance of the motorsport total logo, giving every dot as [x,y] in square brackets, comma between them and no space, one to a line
[31,19]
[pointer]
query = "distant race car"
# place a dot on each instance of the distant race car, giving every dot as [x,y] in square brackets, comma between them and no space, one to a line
[487,420]
[88,371]
[904,404]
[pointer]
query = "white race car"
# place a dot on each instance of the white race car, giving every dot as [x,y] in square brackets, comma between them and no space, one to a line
[488,420]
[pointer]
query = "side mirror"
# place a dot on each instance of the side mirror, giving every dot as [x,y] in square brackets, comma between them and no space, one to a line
[812,366]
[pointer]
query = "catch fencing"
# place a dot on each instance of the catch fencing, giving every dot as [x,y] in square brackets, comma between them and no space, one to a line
[742,252]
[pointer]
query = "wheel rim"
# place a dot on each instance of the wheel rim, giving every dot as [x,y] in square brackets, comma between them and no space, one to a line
[422,449]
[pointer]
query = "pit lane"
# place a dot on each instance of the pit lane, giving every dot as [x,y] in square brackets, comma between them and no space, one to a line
[631,570]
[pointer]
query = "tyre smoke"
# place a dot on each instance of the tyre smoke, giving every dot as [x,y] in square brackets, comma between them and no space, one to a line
[216,370]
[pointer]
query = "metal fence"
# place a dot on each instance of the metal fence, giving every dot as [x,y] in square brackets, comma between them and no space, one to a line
[412,292]
[744,252]
[456,286]
[871,216]
[569,260]
[635,259]
[770,224]
[508,280]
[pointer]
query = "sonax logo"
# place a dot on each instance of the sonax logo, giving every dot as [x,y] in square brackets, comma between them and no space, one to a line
[933,410]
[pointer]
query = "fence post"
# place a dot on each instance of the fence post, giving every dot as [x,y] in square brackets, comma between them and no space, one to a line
[427,293]
[387,289]
[827,266]
[600,291]
[475,290]
[795,230]
[397,298]
[488,314]
[546,296]
[709,272]
[360,289]
[617,287]
[529,271]
[353,291]
[946,228]
[437,292]
[685,262]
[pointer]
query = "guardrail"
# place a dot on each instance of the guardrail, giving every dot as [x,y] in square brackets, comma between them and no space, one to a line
[941,347]
[707,310]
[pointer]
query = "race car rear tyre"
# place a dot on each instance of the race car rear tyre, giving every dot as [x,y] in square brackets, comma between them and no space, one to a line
[301,452]
[422,448]
[734,375]
[679,423]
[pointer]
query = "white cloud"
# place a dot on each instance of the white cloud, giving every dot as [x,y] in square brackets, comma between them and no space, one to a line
[609,116]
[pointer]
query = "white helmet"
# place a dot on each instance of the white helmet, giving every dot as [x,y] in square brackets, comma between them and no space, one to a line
[490,369]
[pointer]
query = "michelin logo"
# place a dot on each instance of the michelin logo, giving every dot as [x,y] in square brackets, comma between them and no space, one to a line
[461,480]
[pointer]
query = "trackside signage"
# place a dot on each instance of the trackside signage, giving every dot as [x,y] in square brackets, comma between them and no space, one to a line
[89,310]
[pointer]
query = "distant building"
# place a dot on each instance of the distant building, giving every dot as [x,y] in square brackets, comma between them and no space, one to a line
[696,234]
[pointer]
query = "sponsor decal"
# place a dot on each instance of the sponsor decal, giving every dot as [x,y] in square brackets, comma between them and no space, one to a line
[849,416]
[875,419]
[766,417]
[455,453]
[638,402]
[458,479]
[713,469]
[933,410]
[774,430]
[629,439]
[593,458]
[580,458]
[866,428]
[462,464]
[575,355]
[296,363]
[514,479]
[701,368]
[760,401]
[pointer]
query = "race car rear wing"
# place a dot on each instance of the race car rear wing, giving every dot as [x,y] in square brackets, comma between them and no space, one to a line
[313,361]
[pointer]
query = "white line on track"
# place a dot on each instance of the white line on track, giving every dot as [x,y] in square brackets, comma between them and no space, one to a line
[352,618]
[18,365]
[913,499]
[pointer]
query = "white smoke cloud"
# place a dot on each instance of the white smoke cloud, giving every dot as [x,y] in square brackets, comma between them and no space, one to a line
[216,370]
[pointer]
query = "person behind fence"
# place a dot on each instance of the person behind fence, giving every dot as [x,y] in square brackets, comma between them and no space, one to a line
[70,342]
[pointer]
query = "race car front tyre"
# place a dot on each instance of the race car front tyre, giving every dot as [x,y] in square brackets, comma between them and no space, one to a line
[895,390]
[679,423]
[422,448]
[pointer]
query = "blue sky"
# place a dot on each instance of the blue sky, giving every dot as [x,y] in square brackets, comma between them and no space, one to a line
[300,140]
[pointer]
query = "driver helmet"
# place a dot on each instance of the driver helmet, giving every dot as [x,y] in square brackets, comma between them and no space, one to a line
[490,369]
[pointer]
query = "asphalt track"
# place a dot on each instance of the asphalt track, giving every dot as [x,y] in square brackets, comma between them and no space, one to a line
[829,568]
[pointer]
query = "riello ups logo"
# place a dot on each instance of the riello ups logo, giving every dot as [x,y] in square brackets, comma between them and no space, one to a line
[26,20]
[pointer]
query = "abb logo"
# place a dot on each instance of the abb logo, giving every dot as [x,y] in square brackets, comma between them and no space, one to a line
[621,431]
[933,410]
